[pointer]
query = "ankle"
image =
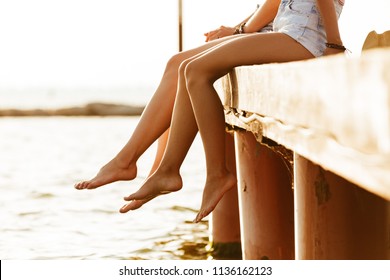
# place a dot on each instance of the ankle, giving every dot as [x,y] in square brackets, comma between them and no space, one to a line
[168,170]
[123,162]
[215,174]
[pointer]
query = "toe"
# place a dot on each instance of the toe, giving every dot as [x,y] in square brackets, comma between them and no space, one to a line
[198,218]
[90,185]
[133,205]
[139,195]
[79,185]
[130,197]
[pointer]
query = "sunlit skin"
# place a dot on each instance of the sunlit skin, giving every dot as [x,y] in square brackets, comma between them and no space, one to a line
[186,102]
[124,165]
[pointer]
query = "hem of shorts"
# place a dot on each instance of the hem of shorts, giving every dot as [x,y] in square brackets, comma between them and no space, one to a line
[315,52]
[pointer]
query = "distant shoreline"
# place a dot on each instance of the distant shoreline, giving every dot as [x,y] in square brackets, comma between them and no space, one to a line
[91,109]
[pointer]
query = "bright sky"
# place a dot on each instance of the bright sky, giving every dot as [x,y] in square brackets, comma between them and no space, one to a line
[104,43]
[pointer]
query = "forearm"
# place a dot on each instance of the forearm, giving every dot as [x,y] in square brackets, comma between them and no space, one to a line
[246,20]
[330,21]
[262,16]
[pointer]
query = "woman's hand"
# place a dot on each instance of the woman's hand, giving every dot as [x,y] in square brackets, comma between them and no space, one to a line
[221,32]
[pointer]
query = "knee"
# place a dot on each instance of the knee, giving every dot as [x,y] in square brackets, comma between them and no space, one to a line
[182,68]
[182,71]
[174,63]
[194,75]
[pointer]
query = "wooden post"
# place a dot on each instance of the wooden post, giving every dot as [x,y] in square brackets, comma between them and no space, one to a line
[336,219]
[225,222]
[265,200]
[180,24]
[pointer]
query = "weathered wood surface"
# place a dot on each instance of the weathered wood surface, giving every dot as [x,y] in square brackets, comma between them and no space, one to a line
[266,201]
[334,111]
[335,219]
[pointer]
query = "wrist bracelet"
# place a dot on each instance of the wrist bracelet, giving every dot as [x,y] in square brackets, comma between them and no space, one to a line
[240,29]
[335,46]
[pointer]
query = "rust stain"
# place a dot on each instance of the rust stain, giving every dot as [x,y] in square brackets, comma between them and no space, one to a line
[322,189]
[257,149]
[318,251]
[243,146]
[257,130]
[244,188]
[388,244]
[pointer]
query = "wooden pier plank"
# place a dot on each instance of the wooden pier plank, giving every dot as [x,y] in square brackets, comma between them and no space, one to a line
[335,111]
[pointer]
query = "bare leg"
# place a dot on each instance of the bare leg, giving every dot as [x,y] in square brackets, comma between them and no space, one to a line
[123,165]
[201,74]
[162,144]
[167,177]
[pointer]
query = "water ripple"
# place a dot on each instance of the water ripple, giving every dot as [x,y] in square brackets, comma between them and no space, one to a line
[43,217]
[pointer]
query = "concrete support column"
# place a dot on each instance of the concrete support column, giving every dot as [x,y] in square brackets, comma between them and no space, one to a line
[265,200]
[225,222]
[336,219]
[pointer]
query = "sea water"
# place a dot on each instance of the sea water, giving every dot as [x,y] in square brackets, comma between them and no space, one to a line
[43,217]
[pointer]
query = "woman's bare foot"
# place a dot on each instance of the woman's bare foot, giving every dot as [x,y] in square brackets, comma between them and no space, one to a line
[157,184]
[113,171]
[133,205]
[213,192]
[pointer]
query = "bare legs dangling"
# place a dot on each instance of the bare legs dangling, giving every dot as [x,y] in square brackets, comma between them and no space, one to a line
[123,165]
[198,105]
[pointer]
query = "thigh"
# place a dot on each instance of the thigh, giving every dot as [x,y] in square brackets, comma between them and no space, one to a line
[257,48]
[195,52]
